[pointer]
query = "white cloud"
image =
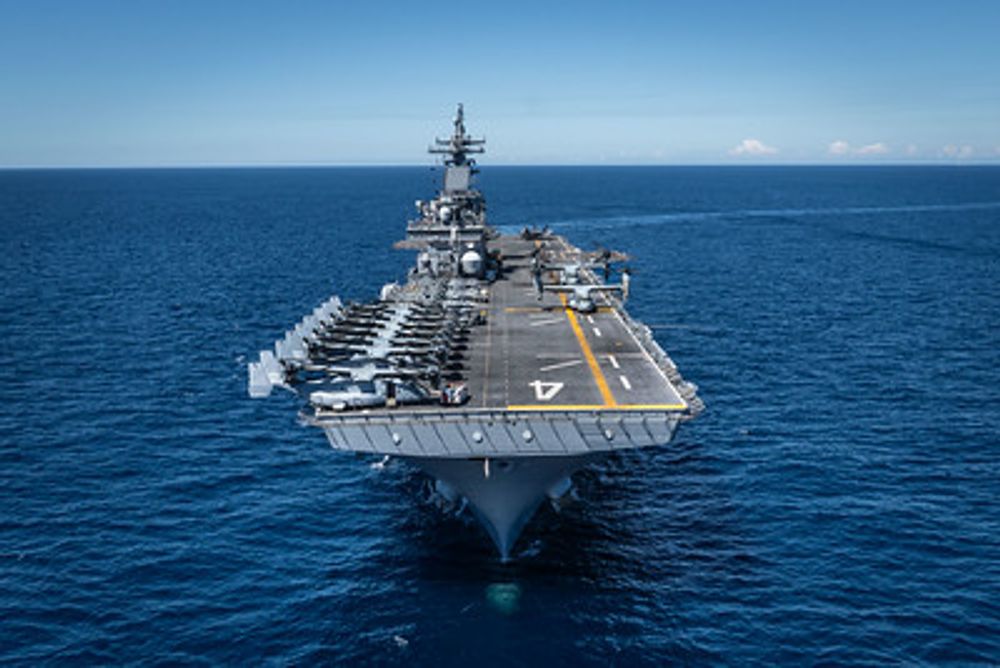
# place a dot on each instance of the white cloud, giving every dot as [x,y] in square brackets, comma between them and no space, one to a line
[878,148]
[752,147]
[911,149]
[840,147]
[955,151]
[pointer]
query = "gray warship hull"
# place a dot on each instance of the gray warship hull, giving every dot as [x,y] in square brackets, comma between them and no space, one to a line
[494,368]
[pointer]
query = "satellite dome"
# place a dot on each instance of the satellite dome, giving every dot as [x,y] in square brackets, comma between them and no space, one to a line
[472,263]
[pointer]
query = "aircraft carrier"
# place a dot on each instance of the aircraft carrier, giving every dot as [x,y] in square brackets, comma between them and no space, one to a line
[502,365]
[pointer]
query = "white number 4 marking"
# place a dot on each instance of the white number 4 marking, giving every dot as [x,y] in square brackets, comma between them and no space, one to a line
[545,391]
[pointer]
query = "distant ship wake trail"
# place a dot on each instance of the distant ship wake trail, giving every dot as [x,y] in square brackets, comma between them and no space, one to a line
[696,216]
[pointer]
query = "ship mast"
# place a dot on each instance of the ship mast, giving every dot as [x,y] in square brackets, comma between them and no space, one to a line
[459,145]
[456,218]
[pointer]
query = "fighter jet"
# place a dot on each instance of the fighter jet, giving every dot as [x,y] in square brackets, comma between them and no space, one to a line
[345,394]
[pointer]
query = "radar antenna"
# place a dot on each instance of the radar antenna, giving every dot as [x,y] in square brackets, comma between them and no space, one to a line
[458,147]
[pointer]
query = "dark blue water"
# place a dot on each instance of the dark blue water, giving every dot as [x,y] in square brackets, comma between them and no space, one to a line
[837,503]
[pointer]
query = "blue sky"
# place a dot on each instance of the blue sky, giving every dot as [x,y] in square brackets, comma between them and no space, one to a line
[200,83]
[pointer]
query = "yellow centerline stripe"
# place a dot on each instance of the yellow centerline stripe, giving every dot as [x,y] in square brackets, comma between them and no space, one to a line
[542,309]
[595,368]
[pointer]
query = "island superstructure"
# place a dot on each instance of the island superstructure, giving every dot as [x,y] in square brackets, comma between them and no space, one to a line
[500,366]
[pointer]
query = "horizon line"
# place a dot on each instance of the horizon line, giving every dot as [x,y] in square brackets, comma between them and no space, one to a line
[379,165]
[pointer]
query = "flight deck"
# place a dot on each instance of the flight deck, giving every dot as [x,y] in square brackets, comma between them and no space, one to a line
[543,378]
[542,355]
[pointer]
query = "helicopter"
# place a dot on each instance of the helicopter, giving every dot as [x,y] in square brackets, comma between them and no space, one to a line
[581,296]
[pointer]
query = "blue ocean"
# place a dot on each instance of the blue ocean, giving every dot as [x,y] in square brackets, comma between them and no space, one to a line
[838,503]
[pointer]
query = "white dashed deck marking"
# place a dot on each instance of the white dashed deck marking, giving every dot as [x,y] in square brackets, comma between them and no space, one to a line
[539,323]
[560,365]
